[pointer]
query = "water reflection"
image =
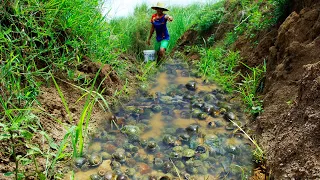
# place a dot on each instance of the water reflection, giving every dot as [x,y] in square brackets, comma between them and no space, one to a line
[175,132]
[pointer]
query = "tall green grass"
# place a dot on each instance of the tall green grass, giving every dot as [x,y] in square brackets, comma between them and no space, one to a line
[184,18]
[77,135]
[209,16]
[38,37]
[41,36]
[218,65]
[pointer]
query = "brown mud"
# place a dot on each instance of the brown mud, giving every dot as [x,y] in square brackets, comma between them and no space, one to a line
[289,126]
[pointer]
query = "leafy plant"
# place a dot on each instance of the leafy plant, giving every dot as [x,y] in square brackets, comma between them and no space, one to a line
[211,40]
[18,127]
[147,71]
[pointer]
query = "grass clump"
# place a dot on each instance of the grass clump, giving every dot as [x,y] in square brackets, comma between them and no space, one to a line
[218,65]
[210,16]
[18,126]
[38,37]
[251,84]
[132,31]
[184,18]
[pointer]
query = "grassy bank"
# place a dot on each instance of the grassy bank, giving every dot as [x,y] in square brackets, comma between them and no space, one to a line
[41,40]
[134,30]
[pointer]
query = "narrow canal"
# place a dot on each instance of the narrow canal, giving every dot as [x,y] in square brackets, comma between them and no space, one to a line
[179,129]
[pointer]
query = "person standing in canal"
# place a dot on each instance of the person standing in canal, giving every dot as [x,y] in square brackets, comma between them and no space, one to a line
[159,23]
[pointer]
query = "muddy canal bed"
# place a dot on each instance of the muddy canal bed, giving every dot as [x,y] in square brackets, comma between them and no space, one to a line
[179,129]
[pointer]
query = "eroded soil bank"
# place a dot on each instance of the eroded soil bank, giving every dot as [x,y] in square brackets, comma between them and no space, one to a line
[289,127]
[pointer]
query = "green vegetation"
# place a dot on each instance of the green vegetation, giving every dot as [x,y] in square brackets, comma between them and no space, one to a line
[217,65]
[77,136]
[210,16]
[219,61]
[184,18]
[39,38]
[45,43]
[132,31]
[17,124]
[251,84]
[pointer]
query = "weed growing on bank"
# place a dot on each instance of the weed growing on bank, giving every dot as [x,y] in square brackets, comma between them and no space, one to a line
[217,65]
[54,36]
[250,86]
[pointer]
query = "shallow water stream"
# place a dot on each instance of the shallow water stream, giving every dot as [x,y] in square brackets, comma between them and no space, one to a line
[179,129]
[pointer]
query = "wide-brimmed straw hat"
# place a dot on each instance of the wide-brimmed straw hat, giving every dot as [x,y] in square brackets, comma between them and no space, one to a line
[160,6]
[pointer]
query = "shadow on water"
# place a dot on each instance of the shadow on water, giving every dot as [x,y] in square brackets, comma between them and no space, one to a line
[179,129]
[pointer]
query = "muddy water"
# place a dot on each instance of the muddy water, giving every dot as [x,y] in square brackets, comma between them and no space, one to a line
[171,132]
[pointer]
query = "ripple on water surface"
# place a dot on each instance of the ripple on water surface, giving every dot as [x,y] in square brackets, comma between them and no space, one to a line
[178,131]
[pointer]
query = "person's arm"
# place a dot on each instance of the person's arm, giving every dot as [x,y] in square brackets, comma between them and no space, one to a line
[169,18]
[151,33]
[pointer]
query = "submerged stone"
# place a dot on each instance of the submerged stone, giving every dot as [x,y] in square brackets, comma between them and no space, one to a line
[95,177]
[191,86]
[130,130]
[188,153]
[156,108]
[122,177]
[80,161]
[230,116]
[144,168]
[192,129]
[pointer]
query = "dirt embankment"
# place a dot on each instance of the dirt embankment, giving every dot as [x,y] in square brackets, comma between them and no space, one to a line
[289,127]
